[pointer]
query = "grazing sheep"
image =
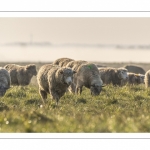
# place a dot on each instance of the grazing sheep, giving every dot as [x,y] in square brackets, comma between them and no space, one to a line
[88,75]
[58,61]
[141,78]
[54,80]
[147,79]
[113,75]
[21,75]
[4,81]
[74,65]
[135,69]
[134,78]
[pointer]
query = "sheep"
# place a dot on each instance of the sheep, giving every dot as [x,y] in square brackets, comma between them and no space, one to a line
[65,62]
[147,79]
[58,61]
[54,80]
[135,69]
[134,78]
[76,63]
[21,75]
[88,75]
[113,75]
[5,81]
[140,78]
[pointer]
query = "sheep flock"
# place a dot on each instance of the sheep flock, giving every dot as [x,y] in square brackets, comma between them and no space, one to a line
[67,74]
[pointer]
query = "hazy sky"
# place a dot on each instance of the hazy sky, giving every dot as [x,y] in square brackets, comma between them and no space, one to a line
[76,30]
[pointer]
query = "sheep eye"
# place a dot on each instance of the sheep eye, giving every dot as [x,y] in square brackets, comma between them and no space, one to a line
[93,85]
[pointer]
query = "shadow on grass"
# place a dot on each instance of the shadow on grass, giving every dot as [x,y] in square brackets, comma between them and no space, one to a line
[3,106]
[32,101]
[81,100]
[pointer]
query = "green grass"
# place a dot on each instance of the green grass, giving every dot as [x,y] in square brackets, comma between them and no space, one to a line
[116,109]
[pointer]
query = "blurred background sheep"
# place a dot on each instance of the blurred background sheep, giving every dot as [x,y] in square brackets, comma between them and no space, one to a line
[135,69]
[113,75]
[134,78]
[5,81]
[21,75]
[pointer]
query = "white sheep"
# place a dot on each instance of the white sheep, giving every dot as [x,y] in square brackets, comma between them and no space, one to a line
[54,80]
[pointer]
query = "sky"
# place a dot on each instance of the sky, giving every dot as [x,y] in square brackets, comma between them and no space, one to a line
[83,30]
[76,30]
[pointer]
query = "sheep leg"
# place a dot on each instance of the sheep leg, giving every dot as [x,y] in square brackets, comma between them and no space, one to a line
[72,88]
[54,95]
[76,91]
[43,95]
[80,90]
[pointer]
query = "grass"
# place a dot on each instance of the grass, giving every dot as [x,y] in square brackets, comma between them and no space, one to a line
[116,109]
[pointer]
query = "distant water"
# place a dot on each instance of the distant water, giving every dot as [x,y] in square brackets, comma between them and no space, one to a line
[51,53]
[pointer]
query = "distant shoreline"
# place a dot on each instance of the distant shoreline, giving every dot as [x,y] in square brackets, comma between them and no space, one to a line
[107,46]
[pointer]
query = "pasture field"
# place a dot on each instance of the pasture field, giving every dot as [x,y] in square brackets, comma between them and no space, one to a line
[117,109]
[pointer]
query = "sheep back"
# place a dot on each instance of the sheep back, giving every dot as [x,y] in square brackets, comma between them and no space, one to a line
[65,62]
[59,60]
[135,69]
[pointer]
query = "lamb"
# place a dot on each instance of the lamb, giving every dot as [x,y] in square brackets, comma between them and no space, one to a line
[54,80]
[58,61]
[135,69]
[88,75]
[113,75]
[21,75]
[147,79]
[134,78]
[5,81]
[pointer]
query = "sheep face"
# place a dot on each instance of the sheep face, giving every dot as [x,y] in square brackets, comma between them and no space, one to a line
[67,76]
[95,89]
[122,74]
[141,78]
[31,69]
